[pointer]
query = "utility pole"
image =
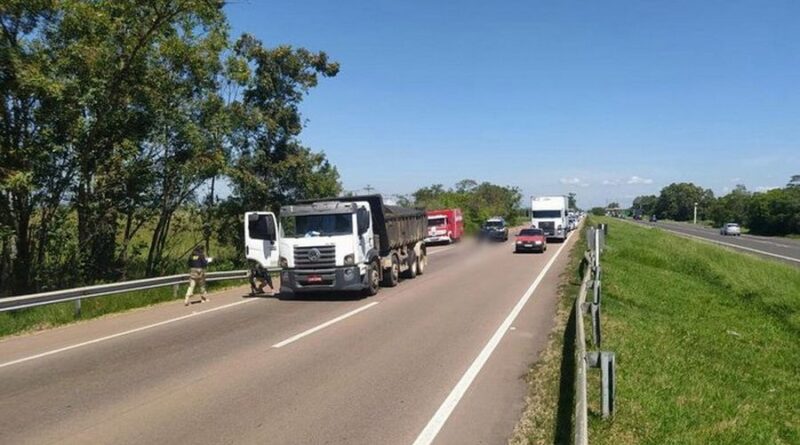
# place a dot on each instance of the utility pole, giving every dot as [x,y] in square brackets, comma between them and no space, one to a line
[695,213]
[369,189]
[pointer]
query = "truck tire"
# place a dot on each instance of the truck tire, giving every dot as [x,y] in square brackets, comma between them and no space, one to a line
[422,263]
[411,272]
[373,279]
[391,276]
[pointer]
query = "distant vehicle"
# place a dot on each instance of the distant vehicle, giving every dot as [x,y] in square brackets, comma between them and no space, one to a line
[530,240]
[494,229]
[445,226]
[549,213]
[653,218]
[637,217]
[730,229]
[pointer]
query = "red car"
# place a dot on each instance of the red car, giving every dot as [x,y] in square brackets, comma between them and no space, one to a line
[530,240]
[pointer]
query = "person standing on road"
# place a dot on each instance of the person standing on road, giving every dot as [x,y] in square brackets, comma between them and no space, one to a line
[197,274]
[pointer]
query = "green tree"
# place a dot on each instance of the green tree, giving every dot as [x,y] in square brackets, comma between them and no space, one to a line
[732,207]
[572,201]
[645,205]
[677,200]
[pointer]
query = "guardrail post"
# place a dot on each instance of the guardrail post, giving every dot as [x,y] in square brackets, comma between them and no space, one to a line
[606,361]
[78,308]
[596,335]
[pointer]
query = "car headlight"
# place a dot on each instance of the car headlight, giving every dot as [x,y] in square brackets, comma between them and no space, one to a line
[284,263]
[349,260]
[538,242]
[519,242]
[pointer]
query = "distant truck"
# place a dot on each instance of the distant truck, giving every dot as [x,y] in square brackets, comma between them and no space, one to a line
[445,226]
[549,213]
[354,243]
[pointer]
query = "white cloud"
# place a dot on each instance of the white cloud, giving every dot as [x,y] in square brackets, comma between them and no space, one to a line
[639,180]
[610,182]
[570,181]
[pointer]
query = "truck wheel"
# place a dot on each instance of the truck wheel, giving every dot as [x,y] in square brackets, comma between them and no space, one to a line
[392,276]
[422,263]
[411,272]
[373,279]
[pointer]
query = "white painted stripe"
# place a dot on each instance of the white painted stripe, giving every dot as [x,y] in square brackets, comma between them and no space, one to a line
[322,326]
[438,420]
[735,246]
[444,249]
[121,334]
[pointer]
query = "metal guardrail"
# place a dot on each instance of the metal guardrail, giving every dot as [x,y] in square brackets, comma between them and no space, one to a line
[100,290]
[605,360]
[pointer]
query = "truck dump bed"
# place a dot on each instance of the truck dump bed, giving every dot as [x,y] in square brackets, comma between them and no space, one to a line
[396,226]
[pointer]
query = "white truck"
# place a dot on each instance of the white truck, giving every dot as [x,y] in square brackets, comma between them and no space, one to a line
[549,213]
[354,243]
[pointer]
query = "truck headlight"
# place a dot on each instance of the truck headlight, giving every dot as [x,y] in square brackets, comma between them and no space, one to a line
[349,260]
[284,263]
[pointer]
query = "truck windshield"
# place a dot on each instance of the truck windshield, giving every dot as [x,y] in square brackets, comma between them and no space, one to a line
[436,221]
[494,224]
[547,213]
[317,225]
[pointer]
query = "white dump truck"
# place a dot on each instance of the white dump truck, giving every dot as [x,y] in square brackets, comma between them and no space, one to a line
[354,243]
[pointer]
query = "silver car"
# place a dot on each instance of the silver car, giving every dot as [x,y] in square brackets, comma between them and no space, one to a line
[730,229]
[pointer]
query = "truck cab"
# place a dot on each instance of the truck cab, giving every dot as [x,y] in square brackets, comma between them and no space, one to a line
[325,245]
[549,213]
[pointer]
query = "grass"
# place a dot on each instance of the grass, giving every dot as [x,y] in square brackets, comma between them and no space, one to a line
[43,317]
[548,414]
[706,342]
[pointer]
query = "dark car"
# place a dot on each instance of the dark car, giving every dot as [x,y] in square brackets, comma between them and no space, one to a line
[494,229]
[531,240]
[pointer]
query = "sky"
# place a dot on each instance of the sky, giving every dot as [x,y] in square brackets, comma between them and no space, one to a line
[609,100]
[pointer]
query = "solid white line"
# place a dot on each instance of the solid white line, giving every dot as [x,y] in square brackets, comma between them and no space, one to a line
[443,413]
[444,249]
[120,334]
[735,246]
[322,326]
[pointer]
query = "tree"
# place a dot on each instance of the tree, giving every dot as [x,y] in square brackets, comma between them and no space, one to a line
[598,211]
[794,181]
[732,207]
[677,200]
[572,202]
[645,205]
[478,202]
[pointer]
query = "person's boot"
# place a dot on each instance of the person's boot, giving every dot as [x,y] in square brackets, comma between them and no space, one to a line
[204,299]
[186,301]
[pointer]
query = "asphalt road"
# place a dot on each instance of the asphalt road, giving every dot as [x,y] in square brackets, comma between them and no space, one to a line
[438,359]
[783,249]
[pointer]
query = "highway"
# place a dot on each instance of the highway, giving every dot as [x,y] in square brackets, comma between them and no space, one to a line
[783,249]
[439,359]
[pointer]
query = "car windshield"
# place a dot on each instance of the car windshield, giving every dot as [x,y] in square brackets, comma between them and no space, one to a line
[317,225]
[436,221]
[530,232]
[494,224]
[733,225]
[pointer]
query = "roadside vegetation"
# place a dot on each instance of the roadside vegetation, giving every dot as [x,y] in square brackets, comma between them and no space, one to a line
[121,119]
[769,212]
[706,342]
[478,202]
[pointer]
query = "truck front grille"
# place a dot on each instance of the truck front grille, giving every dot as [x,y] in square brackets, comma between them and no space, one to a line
[316,257]
[548,227]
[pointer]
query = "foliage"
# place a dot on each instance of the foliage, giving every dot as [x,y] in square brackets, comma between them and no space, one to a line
[597,211]
[114,116]
[477,201]
[677,201]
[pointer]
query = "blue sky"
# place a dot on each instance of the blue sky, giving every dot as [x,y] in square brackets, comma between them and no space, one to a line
[607,99]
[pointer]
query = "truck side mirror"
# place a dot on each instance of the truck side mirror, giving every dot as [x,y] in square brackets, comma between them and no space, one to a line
[362,218]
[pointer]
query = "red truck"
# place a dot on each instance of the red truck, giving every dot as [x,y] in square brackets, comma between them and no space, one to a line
[445,226]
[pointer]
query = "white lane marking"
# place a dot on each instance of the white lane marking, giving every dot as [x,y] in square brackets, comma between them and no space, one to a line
[438,420]
[120,334]
[294,338]
[444,249]
[735,246]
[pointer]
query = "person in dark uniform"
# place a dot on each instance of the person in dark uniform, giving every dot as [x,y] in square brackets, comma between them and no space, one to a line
[197,274]
[259,277]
